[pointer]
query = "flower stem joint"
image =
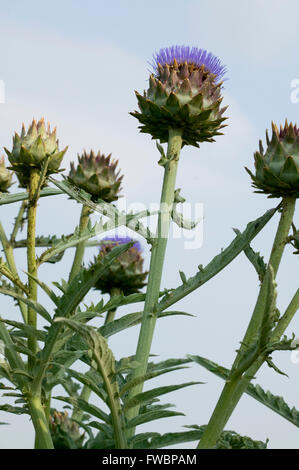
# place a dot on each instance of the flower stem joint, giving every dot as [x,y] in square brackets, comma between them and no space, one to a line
[184,93]
[277,168]
[31,149]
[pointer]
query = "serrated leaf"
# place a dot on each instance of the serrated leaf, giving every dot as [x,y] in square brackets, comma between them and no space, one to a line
[275,403]
[151,416]
[36,306]
[218,263]
[105,364]
[27,330]
[144,397]
[74,294]
[109,210]
[169,439]
[17,410]
[87,380]
[148,376]
[87,407]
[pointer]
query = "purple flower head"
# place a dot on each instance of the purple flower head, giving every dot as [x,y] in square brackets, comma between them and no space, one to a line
[121,241]
[191,55]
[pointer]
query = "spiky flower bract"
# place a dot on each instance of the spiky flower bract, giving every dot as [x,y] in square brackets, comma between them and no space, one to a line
[184,93]
[277,167]
[65,432]
[5,176]
[32,148]
[97,175]
[126,272]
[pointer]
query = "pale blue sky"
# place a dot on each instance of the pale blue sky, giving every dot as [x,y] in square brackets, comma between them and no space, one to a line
[78,63]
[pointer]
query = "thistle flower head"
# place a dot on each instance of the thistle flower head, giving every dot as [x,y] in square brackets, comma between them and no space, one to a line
[5,176]
[277,166]
[97,175]
[116,240]
[32,148]
[126,272]
[177,56]
[184,93]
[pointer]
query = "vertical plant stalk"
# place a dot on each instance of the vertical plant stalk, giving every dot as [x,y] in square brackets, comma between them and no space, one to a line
[31,258]
[156,264]
[235,387]
[86,392]
[79,253]
[43,438]
[8,250]
[115,291]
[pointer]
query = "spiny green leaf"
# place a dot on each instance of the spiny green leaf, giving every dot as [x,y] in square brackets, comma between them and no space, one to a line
[27,330]
[218,263]
[256,259]
[275,403]
[109,210]
[149,375]
[165,440]
[132,319]
[31,303]
[14,409]
[104,362]
[151,416]
[66,242]
[88,380]
[45,288]
[85,406]
[144,397]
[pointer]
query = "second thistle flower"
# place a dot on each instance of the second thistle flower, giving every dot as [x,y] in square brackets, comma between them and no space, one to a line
[184,93]
[97,175]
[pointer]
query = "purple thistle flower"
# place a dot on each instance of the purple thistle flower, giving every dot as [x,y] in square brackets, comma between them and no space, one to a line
[191,55]
[121,241]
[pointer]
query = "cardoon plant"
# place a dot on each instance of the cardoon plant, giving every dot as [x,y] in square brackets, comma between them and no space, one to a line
[42,350]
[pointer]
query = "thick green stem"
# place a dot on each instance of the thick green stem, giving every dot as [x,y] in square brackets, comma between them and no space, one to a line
[287,317]
[40,423]
[235,387]
[31,259]
[156,264]
[8,250]
[77,263]
[111,314]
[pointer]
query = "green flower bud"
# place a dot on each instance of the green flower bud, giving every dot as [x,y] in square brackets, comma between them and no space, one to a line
[126,272]
[5,176]
[277,167]
[32,148]
[97,175]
